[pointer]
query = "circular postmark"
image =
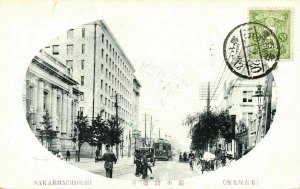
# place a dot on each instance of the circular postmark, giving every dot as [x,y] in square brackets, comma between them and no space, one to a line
[251,50]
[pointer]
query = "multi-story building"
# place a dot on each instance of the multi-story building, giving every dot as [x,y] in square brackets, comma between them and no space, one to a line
[243,107]
[50,88]
[94,59]
[252,105]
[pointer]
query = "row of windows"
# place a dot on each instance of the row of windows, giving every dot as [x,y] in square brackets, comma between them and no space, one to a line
[113,80]
[111,104]
[115,68]
[111,92]
[247,96]
[70,49]
[70,35]
[115,55]
[108,89]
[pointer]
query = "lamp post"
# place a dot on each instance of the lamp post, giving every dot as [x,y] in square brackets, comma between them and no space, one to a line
[258,94]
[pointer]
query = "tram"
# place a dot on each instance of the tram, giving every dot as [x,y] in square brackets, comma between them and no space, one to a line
[162,149]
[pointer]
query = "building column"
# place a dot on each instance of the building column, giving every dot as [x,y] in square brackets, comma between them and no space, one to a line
[40,104]
[34,103]
[69,117]
[59,111]
[48,101]
[54,108]
[56,113]
[64,113]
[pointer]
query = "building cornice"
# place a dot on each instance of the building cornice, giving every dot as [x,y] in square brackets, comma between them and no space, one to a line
[53,71]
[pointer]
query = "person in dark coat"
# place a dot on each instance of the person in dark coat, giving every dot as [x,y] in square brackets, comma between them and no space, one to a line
[109,158]
[68,155]
[184,157]
[138,163]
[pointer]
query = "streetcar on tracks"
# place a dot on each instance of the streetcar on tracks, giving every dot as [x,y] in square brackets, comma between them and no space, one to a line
[163,150]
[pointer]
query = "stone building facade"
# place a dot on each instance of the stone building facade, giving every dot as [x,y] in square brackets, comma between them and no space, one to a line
[49,88]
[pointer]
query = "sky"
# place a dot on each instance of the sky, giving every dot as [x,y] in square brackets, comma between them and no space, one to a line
[173,54]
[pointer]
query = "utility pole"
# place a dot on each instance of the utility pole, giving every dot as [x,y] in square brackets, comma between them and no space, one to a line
[117,123]
[208,97]
[268,90]
[150,130]
[159,132]
[205,94]
[129,154]
[145,130]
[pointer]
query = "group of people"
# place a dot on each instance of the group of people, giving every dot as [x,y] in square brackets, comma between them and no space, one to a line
[143,163]
[185,158]
[188,158]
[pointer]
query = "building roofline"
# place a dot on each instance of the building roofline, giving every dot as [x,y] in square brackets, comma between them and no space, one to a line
[52,70]
[104,25]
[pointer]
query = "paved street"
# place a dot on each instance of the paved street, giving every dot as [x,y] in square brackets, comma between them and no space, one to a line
[124,169]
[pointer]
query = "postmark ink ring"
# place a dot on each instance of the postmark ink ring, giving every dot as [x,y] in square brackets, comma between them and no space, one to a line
[251,50]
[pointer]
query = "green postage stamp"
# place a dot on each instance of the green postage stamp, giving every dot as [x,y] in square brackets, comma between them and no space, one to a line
[279,21]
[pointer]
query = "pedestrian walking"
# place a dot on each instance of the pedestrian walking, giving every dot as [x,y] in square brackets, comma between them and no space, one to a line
[97,158]
[180,157]
[68,155]
[109,158]
[184,156]
[191,159]
[223,159]
[138,163]
[144,165]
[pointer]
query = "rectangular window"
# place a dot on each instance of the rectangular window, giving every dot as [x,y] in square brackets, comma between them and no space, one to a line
[81,110]
[82,80]
[106,44]
[101,84]
[69,49]
[247,96]
[101,99]
[82,64]
[102,38]
[102,53]
[83,48]
[106,58]
[70,34]
[101,68]
[83,33]
[55,49]
[82,97]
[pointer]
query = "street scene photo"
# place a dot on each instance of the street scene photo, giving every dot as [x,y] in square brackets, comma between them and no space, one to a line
[146,101]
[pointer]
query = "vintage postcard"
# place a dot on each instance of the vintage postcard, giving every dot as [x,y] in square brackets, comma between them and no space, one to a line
[162,94]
